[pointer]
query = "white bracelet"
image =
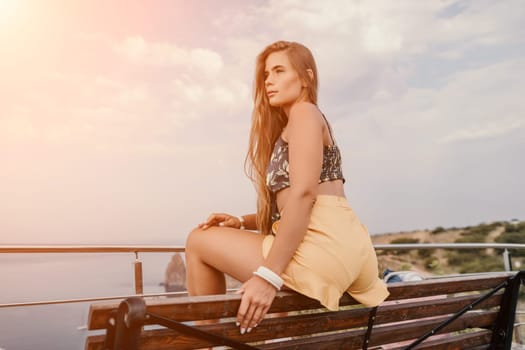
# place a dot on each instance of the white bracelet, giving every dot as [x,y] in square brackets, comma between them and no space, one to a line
[269,276]
[241,219]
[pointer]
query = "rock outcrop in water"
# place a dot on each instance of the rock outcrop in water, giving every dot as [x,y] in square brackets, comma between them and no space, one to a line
[175,280]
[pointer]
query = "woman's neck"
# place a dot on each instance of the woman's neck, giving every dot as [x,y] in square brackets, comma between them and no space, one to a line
[288,107]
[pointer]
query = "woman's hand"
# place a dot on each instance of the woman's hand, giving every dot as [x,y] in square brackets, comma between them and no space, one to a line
[257,297]
[221,219]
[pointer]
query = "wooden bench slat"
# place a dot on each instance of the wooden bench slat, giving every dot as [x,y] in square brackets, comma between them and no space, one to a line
[445,285]
[95,342]
[213,307]
[481,347]
[415,310]
[467,341]
[476,340]
[396,332]
[382,335]
[304,324]
[479,340]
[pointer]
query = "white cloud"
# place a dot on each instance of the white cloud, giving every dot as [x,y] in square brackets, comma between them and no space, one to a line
[224,96]
[471,104]
[133,96]
[197,60]
[227,96]
[106,82]
[485,131]
[380,40]
[16,129]
[193,93]
[351,39]
[205,59]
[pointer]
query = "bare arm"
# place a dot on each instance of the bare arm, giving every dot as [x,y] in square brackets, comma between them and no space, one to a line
[305,142]
[250,221]
[305,146]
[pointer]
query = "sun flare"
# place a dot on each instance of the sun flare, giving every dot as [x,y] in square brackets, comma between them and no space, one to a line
[7,8]
[3,5]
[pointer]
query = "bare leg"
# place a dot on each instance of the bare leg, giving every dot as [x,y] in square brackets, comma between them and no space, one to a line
[211,253]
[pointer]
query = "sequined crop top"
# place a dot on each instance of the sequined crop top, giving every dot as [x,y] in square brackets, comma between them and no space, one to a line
[278,176]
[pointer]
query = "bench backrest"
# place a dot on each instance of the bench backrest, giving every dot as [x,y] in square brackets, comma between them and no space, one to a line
[295,321]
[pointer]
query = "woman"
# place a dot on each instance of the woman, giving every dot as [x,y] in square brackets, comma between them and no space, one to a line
[311,240]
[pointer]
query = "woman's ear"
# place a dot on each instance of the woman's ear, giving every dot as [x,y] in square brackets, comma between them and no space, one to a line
[310,74]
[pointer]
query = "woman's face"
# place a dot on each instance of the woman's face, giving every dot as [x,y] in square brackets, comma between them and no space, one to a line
[282,83]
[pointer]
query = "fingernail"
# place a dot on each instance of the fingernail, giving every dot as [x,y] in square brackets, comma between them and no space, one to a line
[248,330]
[237,324]
[221,224]
[243,330]
[255,325]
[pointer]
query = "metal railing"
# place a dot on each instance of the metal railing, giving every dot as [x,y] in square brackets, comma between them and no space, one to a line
[137,249]
[90,249]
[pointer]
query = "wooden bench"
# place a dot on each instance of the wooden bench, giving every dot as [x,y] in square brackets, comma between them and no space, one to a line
[456,312]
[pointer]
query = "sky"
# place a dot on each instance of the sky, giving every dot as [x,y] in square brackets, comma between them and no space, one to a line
[126,122]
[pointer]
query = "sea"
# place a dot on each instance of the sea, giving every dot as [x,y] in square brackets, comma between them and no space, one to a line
[45,277]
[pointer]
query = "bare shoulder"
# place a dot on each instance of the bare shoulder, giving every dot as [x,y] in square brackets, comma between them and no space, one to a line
[305,112]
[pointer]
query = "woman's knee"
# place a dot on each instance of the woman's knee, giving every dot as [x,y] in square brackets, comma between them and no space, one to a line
[194,240]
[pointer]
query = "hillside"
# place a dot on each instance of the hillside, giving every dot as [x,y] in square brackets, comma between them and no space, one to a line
[442,261]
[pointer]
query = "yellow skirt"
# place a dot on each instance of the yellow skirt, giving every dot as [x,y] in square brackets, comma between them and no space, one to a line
[336,256]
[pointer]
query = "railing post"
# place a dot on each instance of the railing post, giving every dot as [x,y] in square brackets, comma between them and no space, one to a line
[506,260]
[138,275]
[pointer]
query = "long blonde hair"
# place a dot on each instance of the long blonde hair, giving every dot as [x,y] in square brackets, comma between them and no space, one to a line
[268,122]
